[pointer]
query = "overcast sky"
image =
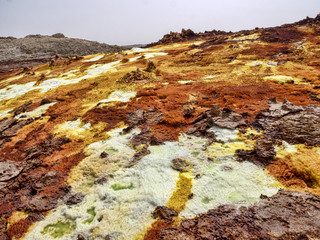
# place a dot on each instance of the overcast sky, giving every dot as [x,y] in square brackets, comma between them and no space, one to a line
[143,21]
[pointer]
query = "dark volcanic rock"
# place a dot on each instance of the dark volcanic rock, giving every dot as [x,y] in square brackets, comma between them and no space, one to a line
[164,213]
[262,154]
[294,124]
[188,111]
[22,183]
[271,35]
[224,118]
[286,215]
[283,121]
[188,35]
[104,154]
[45,148]
[139,155]
[178,37]
[41,202]
[140,117]
[74,198]
[145,137]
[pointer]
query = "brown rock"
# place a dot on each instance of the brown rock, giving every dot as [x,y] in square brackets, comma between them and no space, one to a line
[145,137]
[181,165]
[136,76]
[188,111]
[81,237]
[6,123]
[139,155]
[74,198]
[224,118]
[21,109]
[286,215]
[262,154]
[104,154]
[150,67]
[41,202]
[9,170]
[294,124]
[164,213]
[140,117]
[45,101]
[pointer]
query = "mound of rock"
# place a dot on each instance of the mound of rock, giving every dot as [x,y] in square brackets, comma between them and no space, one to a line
[37,49]
[286,215]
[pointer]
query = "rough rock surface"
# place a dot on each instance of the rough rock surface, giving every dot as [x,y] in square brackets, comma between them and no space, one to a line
[294,124]
[187,35]
[225,118]
[286,215]
[9,170]
[134,76]
[164,213]
[181,165]
[37,49]
[283,121]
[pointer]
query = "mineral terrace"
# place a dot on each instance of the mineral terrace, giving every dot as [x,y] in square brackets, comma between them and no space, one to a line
[199,136]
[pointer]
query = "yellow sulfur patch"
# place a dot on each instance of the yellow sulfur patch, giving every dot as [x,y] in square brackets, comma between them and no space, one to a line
[248,37]
[180,196]
[16,217]
[222,149]
[306,163]
[284,79]
[79,131]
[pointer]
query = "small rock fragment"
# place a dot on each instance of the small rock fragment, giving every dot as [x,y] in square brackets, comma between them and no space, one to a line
[181,165]
[74,198]
[150,67]
[104,154]
[164,213]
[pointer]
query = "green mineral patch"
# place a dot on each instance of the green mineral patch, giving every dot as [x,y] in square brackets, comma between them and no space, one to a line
[92,212]
[112,150]
[206,200]
[59,229]
[236,196]
[118,186]
[195,154]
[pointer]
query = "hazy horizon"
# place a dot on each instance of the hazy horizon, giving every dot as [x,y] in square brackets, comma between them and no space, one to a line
[126,22]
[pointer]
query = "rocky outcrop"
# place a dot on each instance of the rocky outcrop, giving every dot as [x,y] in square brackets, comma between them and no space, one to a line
[187,35]
[283,121]
[36,49]
[178,37]
[294,124]
[285,34]
[225,118]
[286,215]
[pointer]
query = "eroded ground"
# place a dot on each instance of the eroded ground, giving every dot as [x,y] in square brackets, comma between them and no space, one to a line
[175,141]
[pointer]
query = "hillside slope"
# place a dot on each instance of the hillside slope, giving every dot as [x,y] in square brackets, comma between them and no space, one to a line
[213,137]
[36,49]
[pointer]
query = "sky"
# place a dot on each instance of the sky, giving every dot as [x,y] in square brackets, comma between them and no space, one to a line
[124,22]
